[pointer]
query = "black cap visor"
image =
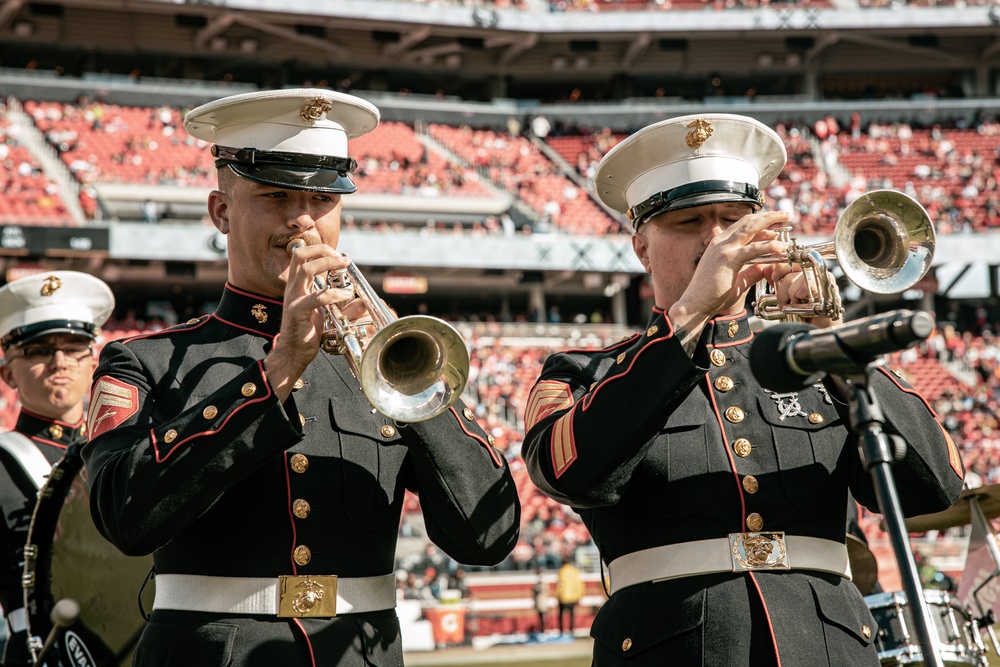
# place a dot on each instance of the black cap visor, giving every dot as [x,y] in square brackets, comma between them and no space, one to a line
[295,171]
[330,182]
[29,332]
[689,195]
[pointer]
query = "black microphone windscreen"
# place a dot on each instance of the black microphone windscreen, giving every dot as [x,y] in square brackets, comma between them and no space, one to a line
[768,360]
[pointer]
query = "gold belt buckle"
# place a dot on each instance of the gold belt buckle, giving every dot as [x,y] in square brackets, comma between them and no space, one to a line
[307,597]
[758,551]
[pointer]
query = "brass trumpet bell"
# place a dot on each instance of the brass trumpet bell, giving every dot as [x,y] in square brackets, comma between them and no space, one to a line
[414,368]
[884,241]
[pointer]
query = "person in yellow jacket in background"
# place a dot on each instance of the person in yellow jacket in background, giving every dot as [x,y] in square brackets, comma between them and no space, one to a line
[569,591]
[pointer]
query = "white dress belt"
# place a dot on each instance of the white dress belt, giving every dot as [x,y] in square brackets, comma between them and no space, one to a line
[689,559]
[261,595]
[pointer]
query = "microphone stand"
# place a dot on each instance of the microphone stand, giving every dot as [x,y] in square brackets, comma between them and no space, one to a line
[878,455]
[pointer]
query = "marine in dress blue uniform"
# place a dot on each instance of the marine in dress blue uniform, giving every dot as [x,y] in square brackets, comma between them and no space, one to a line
[718,506]
[48,323]
[267,488]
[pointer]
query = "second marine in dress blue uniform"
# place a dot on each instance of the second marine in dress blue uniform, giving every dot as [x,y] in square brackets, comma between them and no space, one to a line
[718,506]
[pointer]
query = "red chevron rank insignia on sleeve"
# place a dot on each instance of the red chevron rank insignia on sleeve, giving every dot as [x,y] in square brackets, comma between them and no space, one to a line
[546,397]
[111,403]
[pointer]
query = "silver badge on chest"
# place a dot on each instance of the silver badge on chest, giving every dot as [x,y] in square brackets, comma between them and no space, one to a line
[788,404]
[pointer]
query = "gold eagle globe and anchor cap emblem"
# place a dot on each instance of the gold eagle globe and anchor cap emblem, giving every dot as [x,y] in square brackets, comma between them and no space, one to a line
[700,134]
[314,109]
[51,284]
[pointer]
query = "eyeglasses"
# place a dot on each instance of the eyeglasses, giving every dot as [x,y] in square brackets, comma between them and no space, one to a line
[43,354]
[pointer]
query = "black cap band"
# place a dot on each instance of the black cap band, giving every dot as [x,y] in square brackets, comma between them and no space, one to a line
[699,193]
[30,331]
[295,171]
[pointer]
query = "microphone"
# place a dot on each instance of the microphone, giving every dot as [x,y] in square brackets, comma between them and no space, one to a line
[789,356]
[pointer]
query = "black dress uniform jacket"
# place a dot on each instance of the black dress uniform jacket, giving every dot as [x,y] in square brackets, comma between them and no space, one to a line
[204,466]
[654,448]
[18,497]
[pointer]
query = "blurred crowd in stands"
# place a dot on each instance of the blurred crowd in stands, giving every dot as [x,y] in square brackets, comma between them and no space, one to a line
[950,167]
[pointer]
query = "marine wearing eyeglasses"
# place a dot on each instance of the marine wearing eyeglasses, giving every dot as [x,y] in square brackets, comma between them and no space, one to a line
[48,324]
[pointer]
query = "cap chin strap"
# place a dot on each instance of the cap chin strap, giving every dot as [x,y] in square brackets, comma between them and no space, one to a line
[670,199]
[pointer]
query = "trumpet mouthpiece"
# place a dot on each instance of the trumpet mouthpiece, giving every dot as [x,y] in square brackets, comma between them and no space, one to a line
[294,245]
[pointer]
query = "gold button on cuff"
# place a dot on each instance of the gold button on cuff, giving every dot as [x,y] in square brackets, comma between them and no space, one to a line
[388,430]
[651,331]
[301,508]
[249,389]
[302,555]
[298,385]
[742,447]
[170,436]
[621,357]
[750,484]
[210,412]
[467,413]
[56,431]
[755,522]
[193,320]
[717,357]
[816,418]
[627,644]
[299,463]
[735,414]
[490,439]
[594,384]
[866,631]
[723,383]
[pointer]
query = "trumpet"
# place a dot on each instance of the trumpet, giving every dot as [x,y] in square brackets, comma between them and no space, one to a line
[411,369]
[883,241]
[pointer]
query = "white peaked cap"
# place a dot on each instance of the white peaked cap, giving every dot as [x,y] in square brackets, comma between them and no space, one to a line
[689,150]
[53,302]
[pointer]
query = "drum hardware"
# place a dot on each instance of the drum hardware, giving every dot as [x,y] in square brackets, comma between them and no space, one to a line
[64,614]
[411,369]
[960,514]
[67,559]
[959,640]
[883,241]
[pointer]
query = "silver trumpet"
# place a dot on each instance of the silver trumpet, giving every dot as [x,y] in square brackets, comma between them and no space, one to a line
[412,368]
[884,242]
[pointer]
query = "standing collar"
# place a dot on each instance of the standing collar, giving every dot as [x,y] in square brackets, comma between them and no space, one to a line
[251,312]
[728,330]
[52,431]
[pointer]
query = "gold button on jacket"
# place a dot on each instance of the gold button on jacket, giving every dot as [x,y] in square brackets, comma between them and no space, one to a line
[249,389]
[717,357]
[210,412]
[750,484]
[742,447]
[170,436]
[301,508]
[299,462]
[755,522]
[735,414]
[302,555]
[723,383]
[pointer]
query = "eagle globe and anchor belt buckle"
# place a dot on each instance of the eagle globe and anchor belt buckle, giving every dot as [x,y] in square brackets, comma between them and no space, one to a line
[758,551]
[307,596]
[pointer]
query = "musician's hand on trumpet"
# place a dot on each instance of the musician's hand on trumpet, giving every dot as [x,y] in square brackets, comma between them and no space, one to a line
[723,273]
[302,323]
[795,287]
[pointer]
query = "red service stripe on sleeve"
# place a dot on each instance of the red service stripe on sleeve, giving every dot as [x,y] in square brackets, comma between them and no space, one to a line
[175,446]
[563,444]
[484,443]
